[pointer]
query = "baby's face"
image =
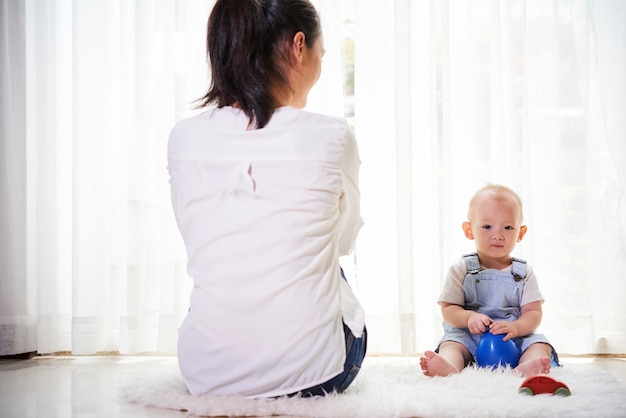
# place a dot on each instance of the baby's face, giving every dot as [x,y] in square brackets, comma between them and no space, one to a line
[496,226]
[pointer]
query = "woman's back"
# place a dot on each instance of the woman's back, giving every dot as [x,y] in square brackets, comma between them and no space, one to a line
[264,215]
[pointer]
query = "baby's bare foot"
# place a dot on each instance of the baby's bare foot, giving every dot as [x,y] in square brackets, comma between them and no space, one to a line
[534,366]
[434,365]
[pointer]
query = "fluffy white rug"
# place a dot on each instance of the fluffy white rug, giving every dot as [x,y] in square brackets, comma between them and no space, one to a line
[395,387]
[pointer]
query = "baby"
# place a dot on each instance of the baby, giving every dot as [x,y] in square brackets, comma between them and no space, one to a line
[489,291]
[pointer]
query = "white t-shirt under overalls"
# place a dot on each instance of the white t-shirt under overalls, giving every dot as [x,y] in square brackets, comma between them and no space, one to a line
[499,294]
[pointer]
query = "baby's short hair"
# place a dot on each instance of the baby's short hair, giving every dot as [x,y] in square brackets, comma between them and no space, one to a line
[496,190]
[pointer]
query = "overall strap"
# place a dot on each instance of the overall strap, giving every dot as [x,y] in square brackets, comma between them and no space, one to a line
[518,268]
[472,264]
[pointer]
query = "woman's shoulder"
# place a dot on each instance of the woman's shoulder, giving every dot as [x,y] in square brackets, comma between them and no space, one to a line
[310,120]
[207,115]
[292,118]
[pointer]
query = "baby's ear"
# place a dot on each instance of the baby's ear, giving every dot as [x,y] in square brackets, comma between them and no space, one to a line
[467,230]
[522,231]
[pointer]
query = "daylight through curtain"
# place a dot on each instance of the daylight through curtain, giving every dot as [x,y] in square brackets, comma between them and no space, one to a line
[451,95]
[448,95]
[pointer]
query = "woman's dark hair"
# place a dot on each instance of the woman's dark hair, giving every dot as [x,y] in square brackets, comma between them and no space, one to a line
[247,46]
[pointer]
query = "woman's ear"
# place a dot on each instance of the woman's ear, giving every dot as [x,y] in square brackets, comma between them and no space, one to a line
[522,231]
[467,230]
[299,43]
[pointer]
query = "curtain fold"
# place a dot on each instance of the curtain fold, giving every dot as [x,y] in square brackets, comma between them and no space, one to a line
[448,95]
[18,312]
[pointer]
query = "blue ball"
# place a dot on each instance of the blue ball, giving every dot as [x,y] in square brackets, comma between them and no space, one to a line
[493,351]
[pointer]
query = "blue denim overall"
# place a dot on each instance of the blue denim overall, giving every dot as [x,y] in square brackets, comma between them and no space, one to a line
[497,294]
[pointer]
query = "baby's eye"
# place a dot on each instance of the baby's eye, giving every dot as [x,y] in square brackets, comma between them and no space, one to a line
[486,226]
[509,228]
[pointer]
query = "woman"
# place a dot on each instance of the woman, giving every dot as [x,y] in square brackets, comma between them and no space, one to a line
[266,199]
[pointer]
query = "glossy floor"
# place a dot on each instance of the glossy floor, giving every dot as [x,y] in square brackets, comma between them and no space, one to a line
[89,386]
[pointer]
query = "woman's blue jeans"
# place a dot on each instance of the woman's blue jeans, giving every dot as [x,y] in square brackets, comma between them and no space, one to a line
[355,352]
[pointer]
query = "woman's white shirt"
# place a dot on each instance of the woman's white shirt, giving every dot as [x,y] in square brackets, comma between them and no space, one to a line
[265,215]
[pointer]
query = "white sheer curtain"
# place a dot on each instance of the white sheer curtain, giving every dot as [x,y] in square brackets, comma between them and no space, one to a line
[90,258]
[449,95]
[101,82]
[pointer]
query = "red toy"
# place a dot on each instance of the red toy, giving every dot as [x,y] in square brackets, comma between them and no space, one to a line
[536,385]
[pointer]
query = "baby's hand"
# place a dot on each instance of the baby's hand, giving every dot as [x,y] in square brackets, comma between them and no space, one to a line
[477,323]
[504,327]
